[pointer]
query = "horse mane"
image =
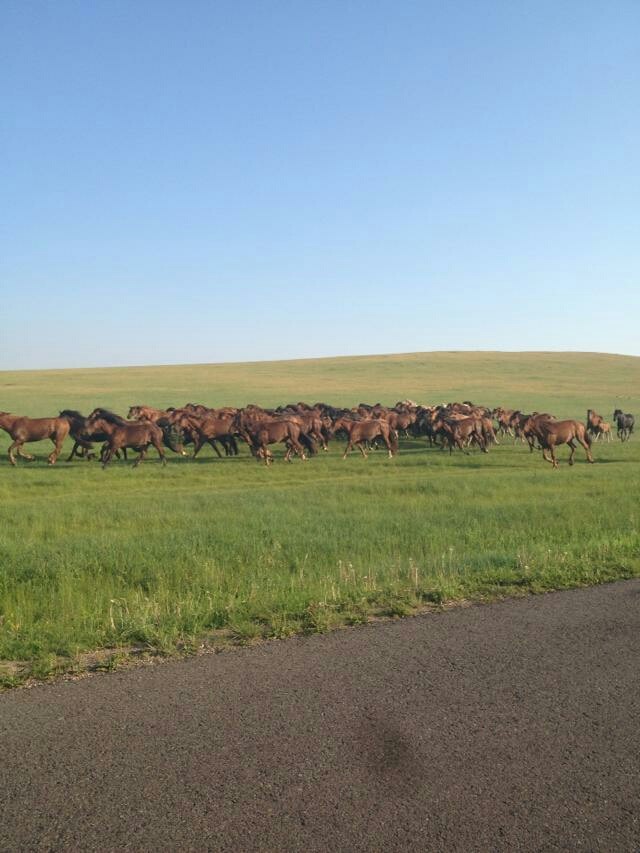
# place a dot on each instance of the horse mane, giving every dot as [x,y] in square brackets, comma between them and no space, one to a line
[70,413]
[110,417]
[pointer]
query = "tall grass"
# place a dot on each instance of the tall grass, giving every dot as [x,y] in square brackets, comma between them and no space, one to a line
[160,558]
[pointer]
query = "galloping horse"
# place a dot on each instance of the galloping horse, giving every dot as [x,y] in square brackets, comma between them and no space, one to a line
[359,432]
[261,434]
[23,430]
[551,433]
[138,436]
[625,423]
[460,433]
[78,432]
[211,429]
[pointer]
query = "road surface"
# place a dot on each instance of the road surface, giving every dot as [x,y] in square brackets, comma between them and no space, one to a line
[511,726]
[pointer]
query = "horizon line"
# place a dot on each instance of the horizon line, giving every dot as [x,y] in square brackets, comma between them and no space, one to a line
[318,358]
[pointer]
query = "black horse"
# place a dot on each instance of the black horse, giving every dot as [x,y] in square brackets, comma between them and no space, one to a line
[625,424]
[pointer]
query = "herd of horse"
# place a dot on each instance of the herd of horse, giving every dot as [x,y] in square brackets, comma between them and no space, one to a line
[304,429]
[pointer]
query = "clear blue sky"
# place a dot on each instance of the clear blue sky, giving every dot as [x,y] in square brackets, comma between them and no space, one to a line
[214,181]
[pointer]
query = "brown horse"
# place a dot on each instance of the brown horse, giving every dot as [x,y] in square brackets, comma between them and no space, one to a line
[519,420]
[503,417]
[460,433]
[122,434]
[211,429]
[551,434]
[145,413]
[604,431]
[23,430]
[593,422]
[360,431]
[263,433]
[82,444]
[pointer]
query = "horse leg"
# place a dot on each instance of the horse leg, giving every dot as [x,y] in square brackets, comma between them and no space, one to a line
[58,441]
[299,449]
[106,454]
[230,446]
[158,446]
[587,450]
[213,444]
[572,445]
[459,442]
[141,455]
[348,449]
[22,452]
[480,441]
[15,446]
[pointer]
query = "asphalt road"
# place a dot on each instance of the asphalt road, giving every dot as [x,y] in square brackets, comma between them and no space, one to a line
[512,726]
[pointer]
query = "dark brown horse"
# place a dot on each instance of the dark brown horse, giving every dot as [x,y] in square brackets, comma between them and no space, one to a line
[139,436]
[265,432]
[361,431]
[82,443]
[211,428]
[460,433]
[23,430]
[551,434]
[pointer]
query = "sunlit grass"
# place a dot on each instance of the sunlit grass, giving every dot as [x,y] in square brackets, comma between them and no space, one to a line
[160,558]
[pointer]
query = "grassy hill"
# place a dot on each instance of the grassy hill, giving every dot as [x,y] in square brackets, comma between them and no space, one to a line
[573,381]
[225,550]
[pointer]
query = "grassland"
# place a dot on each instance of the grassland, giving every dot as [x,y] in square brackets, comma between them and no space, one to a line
[226,550]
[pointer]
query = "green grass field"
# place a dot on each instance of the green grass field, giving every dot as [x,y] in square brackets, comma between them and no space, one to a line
[226,550]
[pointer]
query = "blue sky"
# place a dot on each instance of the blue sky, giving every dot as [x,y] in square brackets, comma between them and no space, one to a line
[215,181]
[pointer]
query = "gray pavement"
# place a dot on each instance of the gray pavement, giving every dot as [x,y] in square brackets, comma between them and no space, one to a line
[511,726]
